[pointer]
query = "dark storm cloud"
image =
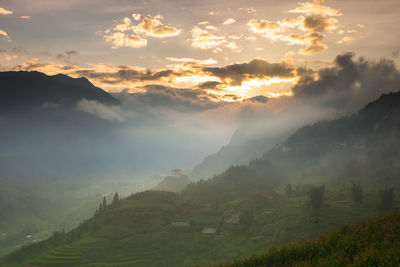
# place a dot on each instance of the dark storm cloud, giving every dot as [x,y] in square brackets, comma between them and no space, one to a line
[350,83]
[127,74]
[256,68]
[259,99]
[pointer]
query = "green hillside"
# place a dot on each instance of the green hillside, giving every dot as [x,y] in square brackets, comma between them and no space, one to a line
[156,228]
[375,242]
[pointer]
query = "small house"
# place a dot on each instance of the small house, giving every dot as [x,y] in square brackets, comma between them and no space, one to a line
[209,231]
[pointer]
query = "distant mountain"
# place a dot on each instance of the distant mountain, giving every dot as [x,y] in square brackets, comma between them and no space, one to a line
[236,153]
[353,144]
[22,90]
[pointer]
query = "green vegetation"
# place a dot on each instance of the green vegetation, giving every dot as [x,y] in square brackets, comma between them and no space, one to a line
[139,230]
[374,242]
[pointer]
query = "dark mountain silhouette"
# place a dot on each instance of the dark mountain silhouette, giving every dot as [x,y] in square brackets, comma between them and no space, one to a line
[24,90]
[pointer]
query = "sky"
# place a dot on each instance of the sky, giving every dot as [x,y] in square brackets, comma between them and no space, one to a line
[221,50]
[189,74]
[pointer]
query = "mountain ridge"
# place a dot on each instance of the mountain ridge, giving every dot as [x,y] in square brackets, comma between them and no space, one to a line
[29,89]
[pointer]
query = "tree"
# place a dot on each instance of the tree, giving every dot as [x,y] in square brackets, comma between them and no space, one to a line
[356,193]
[115,199]
[104,205]
[387,198]
[316,196]
[288,190]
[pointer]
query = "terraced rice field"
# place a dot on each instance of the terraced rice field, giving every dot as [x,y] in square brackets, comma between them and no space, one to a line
[92,253]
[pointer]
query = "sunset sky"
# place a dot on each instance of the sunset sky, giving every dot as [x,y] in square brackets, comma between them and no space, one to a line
[218,50]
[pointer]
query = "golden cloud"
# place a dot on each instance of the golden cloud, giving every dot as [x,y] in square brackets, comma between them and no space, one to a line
[315,8]
[5,35]
[209,61]
[125,34]
[120,39]
[152,26]
[5,11]
[233,82]
[312,42]
[262,26]
[229,21]
[203,39]
[317,19]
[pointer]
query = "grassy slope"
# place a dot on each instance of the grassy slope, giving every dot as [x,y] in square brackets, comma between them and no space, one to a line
[375,242]
[138,231]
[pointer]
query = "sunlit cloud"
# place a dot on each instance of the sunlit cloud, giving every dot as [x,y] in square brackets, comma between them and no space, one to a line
[152,26]
[4,35]
[120,39]
[126,34]
[4,11]
[203,39]
[209,61]
[315,20]
[249,10]
[5,55]
[229,21]
[233,82]
[25,17]
[312,42]
[315,8]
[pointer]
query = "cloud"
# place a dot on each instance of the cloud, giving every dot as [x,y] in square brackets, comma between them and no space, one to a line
[318,23]
[209,61]
[259,99]
[315,8]
[230,83]
[5,11]
[111,113]
[346,40]
[6,55]
[203,39]
[162,97]
[120,39]
[67,55]
[316,20]
[5,35]
[349,84]
[152,26]
[235,74]
[264,26]
[126,34]
[312,42]
[229,21]
[25,17]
